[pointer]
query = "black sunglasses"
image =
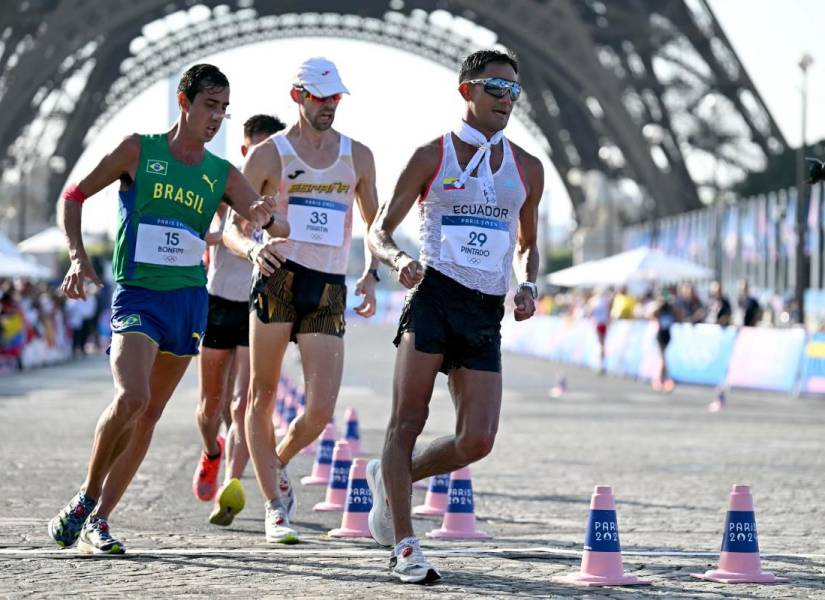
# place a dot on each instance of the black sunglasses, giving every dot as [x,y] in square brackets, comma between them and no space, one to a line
[499,87]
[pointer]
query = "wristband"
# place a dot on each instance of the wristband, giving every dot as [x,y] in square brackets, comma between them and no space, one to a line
[74,194]
[374,273]
[250,251]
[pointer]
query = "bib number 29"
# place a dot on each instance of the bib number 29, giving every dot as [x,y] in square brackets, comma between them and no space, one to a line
[477,239]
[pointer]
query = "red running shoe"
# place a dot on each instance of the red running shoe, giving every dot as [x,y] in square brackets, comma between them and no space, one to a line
[205,481]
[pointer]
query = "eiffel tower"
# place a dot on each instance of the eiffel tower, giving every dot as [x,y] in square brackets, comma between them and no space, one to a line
[648,91]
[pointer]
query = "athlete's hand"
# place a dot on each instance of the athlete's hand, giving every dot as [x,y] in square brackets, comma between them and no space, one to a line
[262,209]
[79,271]
[365,287]
[525,305]
[267,258]
[410,272]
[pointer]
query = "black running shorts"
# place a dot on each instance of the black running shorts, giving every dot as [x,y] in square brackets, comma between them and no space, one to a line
[462,324]
[313,301]
[227,325]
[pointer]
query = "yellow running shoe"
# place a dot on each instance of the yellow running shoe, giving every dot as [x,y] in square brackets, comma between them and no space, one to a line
[230,501]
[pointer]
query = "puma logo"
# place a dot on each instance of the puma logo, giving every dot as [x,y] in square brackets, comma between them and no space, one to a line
[211,184]
[297,173]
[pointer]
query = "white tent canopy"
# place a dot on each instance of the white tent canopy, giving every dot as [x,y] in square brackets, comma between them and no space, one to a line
[14,264]
[46,242]
[642,264]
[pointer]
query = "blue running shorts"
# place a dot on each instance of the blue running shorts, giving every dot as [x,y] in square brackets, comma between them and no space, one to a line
[174,319]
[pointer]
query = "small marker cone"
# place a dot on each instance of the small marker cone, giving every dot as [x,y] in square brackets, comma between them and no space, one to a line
[352,435]
[336,498]
[435,502]
[602,556]
[359,502]
[739,560]
[558,390]
[323,458]
[719,403]
[459,518]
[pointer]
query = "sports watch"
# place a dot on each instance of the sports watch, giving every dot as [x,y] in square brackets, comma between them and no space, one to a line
[529,285]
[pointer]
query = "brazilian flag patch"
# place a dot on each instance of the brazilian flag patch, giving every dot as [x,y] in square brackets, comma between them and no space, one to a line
[156,167]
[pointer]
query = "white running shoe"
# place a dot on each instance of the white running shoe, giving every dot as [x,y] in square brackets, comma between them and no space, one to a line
[277,526]
[409,565]
[287,492]
[380,519]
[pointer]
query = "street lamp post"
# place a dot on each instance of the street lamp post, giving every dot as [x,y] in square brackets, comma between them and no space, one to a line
[802,266]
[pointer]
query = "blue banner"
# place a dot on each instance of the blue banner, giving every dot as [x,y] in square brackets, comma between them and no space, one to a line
[460,499]
[740,532]
[699,353]
[766,359]
[602,531]
[812,379]
[359,497]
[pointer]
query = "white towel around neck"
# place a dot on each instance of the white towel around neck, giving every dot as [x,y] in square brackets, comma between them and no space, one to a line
[481,159]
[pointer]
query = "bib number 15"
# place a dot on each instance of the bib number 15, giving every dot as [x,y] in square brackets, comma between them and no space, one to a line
[172,239]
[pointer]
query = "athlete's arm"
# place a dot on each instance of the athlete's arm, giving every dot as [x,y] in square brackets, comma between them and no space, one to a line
[412,184]
[252,206]
[367,196]
[214,236]
[262,170]
[122,160]
[526,256]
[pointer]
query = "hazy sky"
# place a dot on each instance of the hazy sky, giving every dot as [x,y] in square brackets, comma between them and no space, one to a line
[400,101]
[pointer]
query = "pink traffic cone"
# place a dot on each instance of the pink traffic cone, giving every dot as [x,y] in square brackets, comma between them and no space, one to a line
[602,557]
[739,560]
[336,497]
[352,435]
[323,458]
[558,390]
[359,503]
[459,518]
[435,502]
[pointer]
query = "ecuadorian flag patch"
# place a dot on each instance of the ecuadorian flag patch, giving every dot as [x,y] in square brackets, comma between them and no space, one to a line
[451,183]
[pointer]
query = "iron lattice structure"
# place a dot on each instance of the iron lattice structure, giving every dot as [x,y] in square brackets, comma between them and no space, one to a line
[648,91]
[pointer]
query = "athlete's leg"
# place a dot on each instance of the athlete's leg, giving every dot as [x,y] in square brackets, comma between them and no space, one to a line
[214,366]
[132,357]
[322,357]
[477,398]
[167,372]
[267,345]
[413,382]
[237,453]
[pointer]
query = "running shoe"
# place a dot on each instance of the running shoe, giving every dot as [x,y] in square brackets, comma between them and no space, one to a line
[277,526]
[96,539]
[287,493]
[380,518]
[205,481]
[230,501]
[65,527]
[408,564]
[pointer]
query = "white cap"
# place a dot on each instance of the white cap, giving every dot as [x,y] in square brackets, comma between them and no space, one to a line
[320,78]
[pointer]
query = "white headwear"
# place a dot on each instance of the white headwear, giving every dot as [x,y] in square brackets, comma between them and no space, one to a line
[320,78]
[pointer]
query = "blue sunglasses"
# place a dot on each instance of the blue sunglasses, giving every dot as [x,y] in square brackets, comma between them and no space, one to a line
[499,87]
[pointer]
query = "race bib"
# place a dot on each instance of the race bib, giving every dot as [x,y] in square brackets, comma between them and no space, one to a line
[316,221]
[475,242]
[168,242]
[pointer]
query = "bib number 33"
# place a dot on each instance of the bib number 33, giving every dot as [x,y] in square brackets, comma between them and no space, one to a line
[316,221]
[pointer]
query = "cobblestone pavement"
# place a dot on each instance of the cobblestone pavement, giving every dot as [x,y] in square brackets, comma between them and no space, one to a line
[671,464]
